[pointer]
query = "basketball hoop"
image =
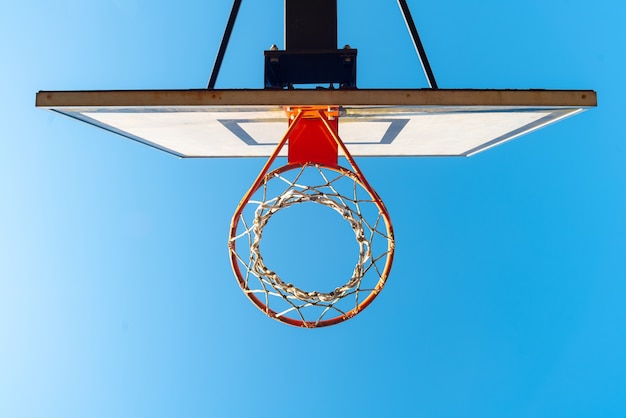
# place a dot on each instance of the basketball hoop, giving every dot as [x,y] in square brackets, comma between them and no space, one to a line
[318,180]
[379,122]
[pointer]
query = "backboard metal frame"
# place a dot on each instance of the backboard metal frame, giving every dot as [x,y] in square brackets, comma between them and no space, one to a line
[318,97]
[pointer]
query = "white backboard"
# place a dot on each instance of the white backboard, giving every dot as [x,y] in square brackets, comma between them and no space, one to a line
[249,123]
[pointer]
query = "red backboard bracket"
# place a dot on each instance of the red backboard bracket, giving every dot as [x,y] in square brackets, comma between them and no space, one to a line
[309,140]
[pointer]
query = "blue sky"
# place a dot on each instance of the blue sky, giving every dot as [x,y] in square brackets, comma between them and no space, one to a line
[506,298]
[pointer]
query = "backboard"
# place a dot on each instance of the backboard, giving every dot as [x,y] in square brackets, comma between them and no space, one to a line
[249,123]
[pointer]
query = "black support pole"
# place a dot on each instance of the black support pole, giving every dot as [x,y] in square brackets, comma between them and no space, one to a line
[220,54]
[406,13]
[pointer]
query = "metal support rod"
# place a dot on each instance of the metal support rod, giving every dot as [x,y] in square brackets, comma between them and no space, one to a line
[224,44]
[406,13]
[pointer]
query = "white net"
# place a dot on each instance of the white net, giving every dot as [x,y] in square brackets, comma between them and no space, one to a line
[340,190]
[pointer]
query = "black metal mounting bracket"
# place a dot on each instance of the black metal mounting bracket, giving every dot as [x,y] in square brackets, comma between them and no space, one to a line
[310,55]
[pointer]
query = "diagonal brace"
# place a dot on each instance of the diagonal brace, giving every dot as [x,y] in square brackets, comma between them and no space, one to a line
[421,52]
